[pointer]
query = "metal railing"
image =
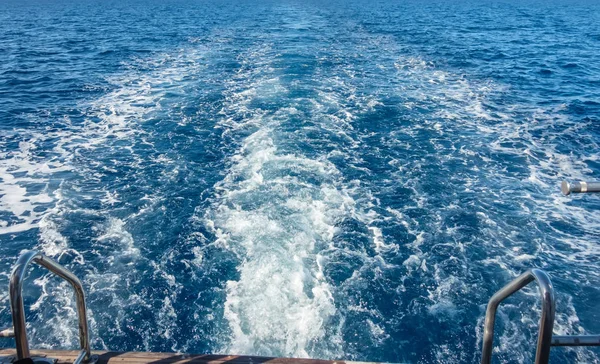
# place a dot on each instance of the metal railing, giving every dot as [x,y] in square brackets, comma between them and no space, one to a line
[545,336]
[579,187]
[546,321]
[18,311]
[576,340]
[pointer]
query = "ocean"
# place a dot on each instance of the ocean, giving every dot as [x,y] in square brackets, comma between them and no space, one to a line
[338,180]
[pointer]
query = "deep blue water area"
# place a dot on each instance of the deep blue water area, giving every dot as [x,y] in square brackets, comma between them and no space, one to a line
[343,179]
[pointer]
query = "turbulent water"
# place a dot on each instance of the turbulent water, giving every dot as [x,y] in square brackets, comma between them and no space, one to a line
[292,178]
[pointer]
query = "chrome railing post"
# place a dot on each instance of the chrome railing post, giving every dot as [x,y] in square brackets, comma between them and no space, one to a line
[579,187]
[542,354]
[18,311]
[576,340]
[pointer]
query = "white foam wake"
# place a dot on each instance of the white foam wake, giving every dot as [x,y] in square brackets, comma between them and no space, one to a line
[281,303]
[276,211]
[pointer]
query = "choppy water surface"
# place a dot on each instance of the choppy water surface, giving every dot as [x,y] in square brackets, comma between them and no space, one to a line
[285,178]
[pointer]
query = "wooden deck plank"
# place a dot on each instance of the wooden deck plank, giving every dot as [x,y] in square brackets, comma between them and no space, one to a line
[111,357]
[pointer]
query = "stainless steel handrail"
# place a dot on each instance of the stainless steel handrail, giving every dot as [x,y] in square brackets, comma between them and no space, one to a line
[18,311]
[579,187]
[576,340]
[542,354]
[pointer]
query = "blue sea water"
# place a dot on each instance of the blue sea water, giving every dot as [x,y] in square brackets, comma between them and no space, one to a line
[343,179]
